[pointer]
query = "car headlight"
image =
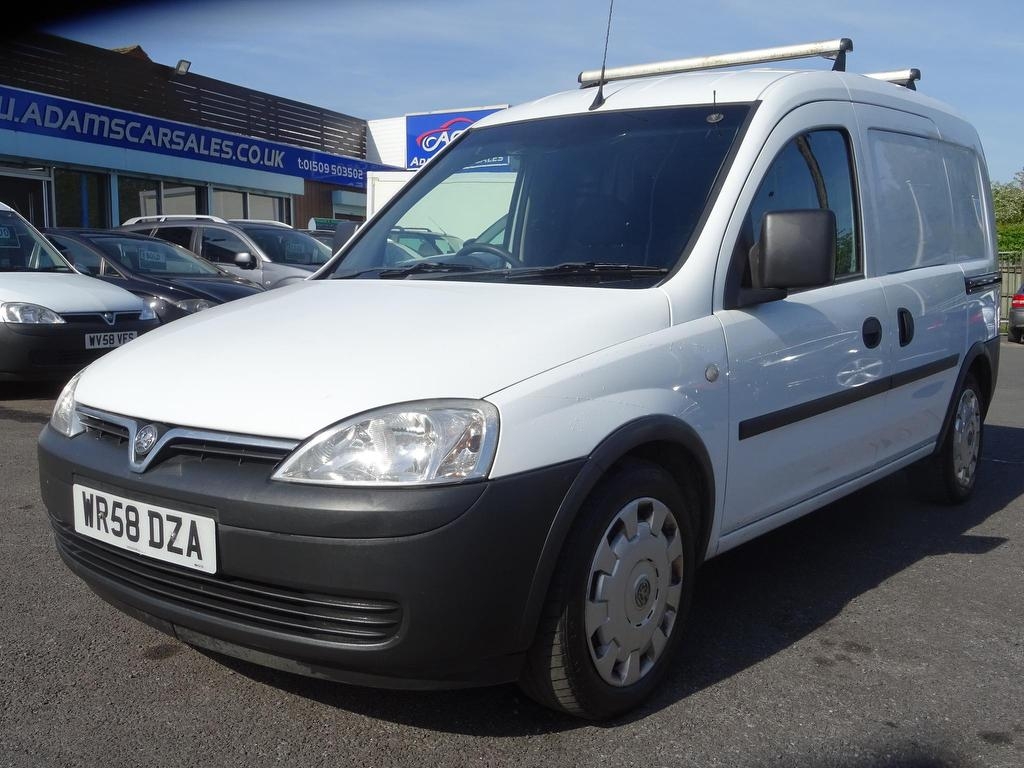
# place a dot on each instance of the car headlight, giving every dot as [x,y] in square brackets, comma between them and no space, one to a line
[422,443]
[193,305]
[64,418]
[19,312]
[148,313]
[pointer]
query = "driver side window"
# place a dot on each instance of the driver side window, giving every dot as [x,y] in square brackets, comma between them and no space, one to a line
[812,171]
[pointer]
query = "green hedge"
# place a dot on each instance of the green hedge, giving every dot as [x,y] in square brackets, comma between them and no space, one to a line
[1010,237]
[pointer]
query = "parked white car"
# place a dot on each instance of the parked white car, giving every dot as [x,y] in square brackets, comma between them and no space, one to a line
[714,303]
[54,320]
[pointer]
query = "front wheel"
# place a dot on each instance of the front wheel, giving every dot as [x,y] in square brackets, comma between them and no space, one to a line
[949,476]
[619,597]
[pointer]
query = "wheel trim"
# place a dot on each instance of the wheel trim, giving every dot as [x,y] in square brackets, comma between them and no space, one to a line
[633,591]
[966,438]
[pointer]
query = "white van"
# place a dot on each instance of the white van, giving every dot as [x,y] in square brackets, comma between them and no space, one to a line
[707,303]
[53,319]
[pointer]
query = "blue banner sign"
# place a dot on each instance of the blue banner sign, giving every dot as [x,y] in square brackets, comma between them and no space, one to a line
[79,121]
[427,134]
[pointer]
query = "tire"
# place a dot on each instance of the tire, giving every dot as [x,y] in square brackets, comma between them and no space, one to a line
[949,475]
[1015,335]
[619,596]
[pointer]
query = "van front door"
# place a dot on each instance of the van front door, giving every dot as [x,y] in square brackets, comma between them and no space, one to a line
[807,373]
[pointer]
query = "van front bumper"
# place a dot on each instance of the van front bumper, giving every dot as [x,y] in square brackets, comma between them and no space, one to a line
[407,588]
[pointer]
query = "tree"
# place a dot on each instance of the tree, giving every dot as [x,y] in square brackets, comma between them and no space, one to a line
[1008,204]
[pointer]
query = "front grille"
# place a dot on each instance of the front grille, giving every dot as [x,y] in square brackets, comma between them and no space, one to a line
[96,318]
[208,449]
[104,428]
[183,441]
[348,621]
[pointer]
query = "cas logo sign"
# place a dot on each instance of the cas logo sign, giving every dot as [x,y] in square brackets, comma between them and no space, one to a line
[426,135]
[436,138]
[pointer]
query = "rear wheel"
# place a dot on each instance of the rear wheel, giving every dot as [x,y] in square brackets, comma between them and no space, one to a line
[619,597]
[949,476]
[1014,335]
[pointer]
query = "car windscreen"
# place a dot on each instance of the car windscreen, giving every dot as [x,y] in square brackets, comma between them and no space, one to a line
[618,192]
[155,258]
[22,249]
[289,246]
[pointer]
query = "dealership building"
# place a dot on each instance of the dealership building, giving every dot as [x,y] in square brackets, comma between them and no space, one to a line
[92,137]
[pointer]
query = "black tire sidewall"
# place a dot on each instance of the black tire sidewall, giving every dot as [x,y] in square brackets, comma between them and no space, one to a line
[955,490]
[597,698]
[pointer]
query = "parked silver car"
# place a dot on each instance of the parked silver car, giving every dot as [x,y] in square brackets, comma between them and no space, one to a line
[269,253]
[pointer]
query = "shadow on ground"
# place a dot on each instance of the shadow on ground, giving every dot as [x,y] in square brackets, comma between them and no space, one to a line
[751,603]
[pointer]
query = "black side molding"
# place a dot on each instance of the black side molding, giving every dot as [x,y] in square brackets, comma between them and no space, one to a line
[758,425]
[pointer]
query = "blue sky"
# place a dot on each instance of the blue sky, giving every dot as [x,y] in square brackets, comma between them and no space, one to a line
[386,58]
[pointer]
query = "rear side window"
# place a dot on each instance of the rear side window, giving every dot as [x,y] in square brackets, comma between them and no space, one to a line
[970,237]
[929,208]
[180,235]
[813,171]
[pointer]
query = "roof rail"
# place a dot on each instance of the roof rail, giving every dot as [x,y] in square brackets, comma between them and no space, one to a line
[829,49]
[269,222]
[171,217]
[904,77]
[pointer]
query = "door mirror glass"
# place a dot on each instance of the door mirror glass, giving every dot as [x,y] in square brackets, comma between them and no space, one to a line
[244,260]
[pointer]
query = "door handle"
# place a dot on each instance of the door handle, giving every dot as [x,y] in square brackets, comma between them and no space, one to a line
[872,332]
[906,324]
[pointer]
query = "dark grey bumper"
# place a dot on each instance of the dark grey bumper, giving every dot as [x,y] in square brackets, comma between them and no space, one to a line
[48,352]
[399,587]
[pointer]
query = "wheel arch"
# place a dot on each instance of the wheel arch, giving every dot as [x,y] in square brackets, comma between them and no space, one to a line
[663,440]
[981,360]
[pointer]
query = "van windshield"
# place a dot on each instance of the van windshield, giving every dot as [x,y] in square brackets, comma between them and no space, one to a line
[22,249]
[610,198]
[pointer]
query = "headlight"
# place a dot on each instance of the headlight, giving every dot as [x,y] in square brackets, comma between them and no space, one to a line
[194,305]
[64,418]
[17,312]
[423,443]
[148,313]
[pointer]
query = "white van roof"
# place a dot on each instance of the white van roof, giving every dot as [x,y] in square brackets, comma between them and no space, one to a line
[778,89]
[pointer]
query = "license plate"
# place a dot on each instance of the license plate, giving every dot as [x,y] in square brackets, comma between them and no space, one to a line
[164,534]
[111,339]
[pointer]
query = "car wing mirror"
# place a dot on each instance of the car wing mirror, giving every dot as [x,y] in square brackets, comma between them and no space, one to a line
[244,260]
[797,249]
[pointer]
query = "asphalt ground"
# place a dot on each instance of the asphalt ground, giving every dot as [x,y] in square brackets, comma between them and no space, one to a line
[879,632]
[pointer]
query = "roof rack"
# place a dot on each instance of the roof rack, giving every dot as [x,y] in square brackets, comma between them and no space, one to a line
[904,77]
[171,217]
[268,222]
[829,49]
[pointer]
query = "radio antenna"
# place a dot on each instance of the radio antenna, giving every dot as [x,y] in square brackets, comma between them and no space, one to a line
[599,98]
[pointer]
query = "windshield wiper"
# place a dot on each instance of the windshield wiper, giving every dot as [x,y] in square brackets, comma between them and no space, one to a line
[572,269]
[419,267]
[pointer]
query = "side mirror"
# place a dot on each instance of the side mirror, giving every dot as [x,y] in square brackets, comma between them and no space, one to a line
[244,260]
[797,249]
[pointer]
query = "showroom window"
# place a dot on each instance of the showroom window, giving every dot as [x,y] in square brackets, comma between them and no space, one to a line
[228,204]
[137,197]
[265,207]
[82,198]
[182,199]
